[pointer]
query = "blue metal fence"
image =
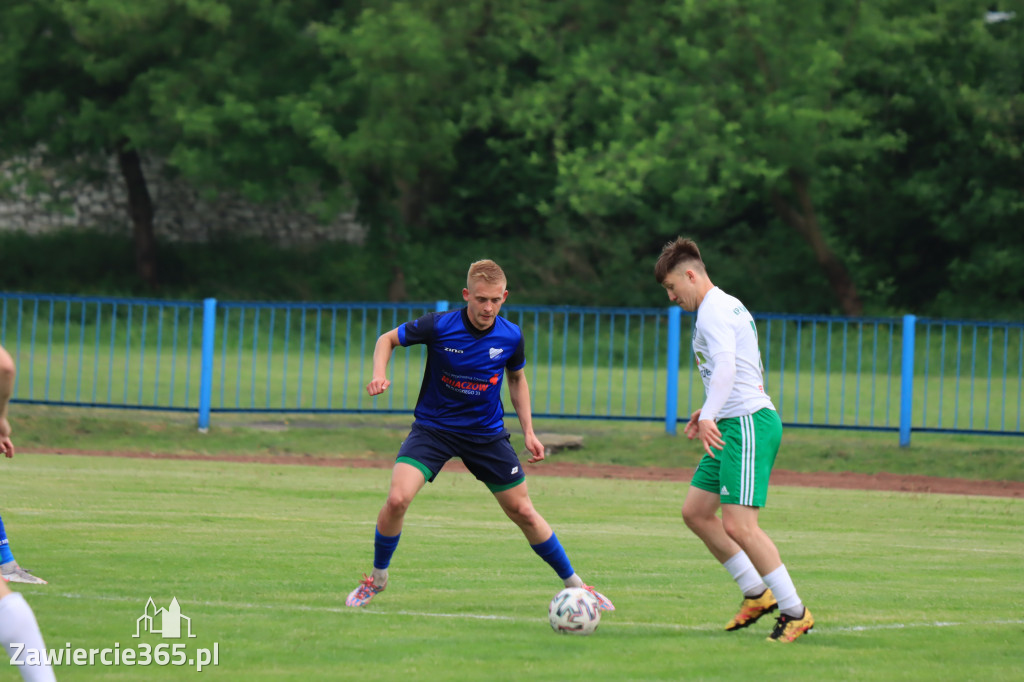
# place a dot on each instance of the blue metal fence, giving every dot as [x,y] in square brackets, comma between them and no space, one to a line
[883,374]
[103,352]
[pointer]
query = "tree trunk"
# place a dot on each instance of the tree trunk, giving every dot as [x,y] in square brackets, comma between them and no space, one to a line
[410,207]
[805,222]
[140,207]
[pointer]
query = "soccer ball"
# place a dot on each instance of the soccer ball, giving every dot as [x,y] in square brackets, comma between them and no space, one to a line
[574,610]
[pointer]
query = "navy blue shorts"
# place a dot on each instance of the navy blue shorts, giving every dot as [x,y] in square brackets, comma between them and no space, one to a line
[490,458]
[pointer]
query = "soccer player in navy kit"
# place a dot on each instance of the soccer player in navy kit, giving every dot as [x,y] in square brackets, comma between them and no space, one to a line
[459,413]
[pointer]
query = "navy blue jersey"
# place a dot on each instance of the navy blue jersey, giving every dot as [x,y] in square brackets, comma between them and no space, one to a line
[465,367]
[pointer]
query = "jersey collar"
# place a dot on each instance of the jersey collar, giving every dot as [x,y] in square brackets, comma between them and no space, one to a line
[476,333]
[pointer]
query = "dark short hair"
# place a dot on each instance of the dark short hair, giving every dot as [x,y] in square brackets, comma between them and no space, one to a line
[675,252]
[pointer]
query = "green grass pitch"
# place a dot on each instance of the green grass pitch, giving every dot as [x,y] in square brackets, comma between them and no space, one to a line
[261,557]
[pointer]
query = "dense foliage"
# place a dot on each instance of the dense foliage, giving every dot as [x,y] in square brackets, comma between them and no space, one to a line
[852,157]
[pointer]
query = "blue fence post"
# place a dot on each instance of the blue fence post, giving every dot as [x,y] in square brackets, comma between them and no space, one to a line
[672,371]
[441,306]
[907,380]
[206,366]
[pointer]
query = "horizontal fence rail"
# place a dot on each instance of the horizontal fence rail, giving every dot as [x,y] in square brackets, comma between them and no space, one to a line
[883,374]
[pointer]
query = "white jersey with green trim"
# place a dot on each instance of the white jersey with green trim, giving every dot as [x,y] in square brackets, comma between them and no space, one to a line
[724,325]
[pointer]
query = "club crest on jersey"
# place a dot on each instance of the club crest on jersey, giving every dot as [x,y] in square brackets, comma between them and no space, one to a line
[495,352]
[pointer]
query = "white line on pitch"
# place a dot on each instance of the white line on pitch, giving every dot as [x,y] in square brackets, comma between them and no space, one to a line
[513,619]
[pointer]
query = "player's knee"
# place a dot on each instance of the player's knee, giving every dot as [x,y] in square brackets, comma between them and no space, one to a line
[524,515]
[695,519]
[397,504]
[739,530]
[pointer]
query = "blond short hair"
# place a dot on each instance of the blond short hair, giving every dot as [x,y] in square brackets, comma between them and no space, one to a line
[485,271]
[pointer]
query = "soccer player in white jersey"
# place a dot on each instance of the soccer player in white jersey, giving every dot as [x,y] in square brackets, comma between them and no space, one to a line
[740,431]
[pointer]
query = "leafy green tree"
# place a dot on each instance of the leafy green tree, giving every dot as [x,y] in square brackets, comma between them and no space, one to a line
[817,151]
[941,217]
[76,90]
[403,104]
[592,133]
[677,115]
[83,81]
[377,102]
[226,110]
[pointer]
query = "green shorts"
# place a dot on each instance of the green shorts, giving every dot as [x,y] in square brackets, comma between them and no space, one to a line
[739,472]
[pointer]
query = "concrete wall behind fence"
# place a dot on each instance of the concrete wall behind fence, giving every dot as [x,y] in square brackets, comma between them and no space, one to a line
[44,200]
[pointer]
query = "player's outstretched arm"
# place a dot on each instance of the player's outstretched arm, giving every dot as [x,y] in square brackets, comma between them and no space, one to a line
[519,394]
[386,343]
[7,374]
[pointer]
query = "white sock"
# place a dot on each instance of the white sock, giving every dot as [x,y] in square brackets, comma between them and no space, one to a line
[380,576]
[785,592]
[18,625]
[746,576]
[574,581]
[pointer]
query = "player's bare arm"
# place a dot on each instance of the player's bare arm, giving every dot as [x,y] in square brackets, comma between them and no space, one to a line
[6,446]
[7,374]
[386,344]
[519,394]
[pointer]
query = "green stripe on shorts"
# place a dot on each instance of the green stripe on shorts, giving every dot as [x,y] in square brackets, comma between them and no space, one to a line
[499,487]
[427,473]
[739,473]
